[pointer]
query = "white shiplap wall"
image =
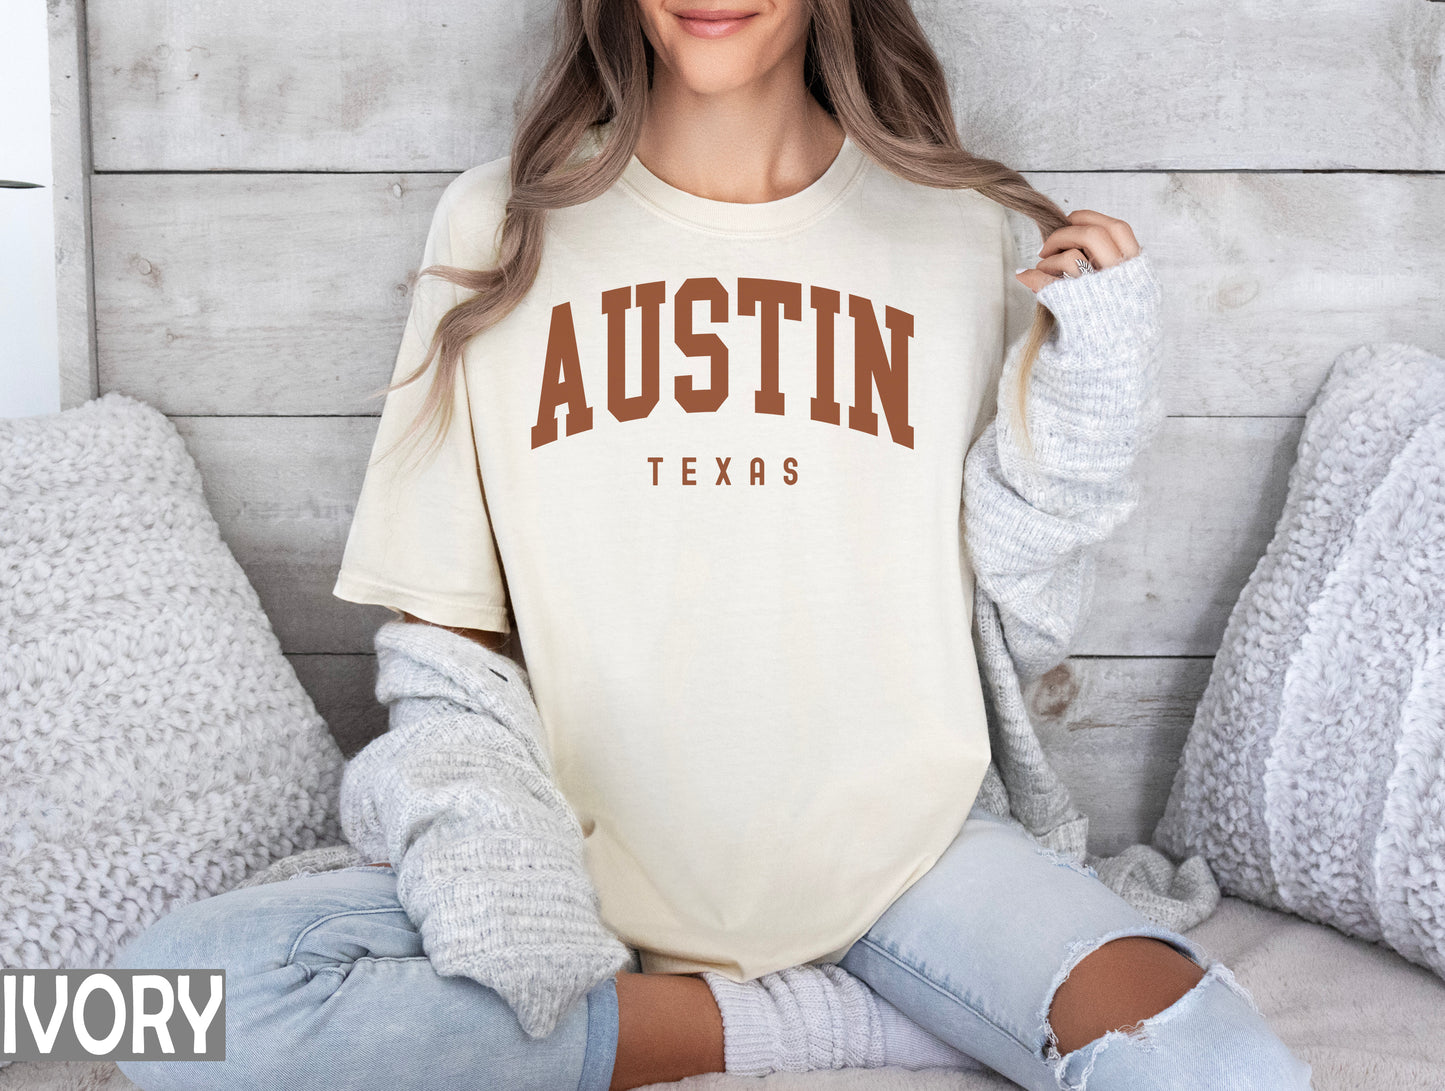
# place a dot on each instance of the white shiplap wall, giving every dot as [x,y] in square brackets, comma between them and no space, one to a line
[264,174]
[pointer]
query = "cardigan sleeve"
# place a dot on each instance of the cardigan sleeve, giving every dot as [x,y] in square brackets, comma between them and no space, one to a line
[1032,522]
[459,796]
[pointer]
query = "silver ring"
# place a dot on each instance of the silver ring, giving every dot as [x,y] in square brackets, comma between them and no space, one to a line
[1085,266]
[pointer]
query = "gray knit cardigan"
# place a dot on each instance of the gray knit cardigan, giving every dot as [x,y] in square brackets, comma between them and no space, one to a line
[459,796]
[1031,525]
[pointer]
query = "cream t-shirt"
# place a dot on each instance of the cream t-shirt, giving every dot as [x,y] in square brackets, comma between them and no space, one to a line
[712,468]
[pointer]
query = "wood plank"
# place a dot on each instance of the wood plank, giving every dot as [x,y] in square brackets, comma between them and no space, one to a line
[267,293]
[1267,278]
[343,688]
[1114,730]
[70,170]
[283,490]
[256,293]
[330,85]
[372,85]
[1213,489]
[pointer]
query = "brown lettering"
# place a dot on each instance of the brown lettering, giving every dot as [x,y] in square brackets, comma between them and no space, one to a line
[823,406]
[877,368]
[775,296]
[701,344]
[615,305]
[871,365]
[561,381]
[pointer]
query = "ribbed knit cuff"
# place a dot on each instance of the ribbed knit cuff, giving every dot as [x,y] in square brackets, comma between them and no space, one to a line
[1098,309]
[1092,398]
[540,945]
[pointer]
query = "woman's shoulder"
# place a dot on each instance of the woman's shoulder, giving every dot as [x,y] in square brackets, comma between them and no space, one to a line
[479,192]
[980,203]
[971,205]
[470,212]
[929,216]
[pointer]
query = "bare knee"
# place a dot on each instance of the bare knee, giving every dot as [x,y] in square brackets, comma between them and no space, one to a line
[1117,985]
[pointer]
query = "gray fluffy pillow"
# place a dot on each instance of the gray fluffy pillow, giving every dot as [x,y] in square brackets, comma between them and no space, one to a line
[156,746]
[1313,778]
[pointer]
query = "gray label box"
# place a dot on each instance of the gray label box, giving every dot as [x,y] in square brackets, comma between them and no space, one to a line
[125,1015]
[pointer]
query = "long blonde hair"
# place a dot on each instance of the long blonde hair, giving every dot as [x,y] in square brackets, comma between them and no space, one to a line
[868,63]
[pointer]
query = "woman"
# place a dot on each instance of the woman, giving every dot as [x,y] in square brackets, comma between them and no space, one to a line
[740,591]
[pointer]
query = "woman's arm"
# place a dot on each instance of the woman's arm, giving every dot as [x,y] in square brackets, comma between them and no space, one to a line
[487,638]
[459,794]
[1032,522]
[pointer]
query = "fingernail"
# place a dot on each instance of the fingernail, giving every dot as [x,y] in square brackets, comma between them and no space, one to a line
[1022,269]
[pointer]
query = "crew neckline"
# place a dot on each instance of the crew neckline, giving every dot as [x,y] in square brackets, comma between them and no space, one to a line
[745,218]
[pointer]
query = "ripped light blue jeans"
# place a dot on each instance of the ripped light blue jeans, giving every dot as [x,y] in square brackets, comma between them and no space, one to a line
[975,949]
[328,986]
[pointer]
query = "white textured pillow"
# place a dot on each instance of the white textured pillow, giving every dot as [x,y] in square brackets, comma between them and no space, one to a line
[155,745]
[1313,778]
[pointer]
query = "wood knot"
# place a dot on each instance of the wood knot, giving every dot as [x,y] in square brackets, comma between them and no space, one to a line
[1055,691]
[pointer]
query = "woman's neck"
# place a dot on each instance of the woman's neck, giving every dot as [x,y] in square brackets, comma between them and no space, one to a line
[726,148]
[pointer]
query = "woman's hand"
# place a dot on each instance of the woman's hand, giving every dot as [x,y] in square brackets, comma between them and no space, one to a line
[1102,240]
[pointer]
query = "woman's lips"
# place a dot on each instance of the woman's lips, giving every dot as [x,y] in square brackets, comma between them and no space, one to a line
[702,23]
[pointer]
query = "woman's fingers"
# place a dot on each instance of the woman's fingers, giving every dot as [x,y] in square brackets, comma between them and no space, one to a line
[1104,240]
[1066,264]
[1093,241]
[1098,239]
[1034,279]
[1063,264]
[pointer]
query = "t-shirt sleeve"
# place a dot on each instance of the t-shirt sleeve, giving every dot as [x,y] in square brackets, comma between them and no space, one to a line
[1018,316]
[421,538]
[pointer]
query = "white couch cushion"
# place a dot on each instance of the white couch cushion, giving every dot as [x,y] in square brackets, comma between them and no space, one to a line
[156,746]
[1313,778]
